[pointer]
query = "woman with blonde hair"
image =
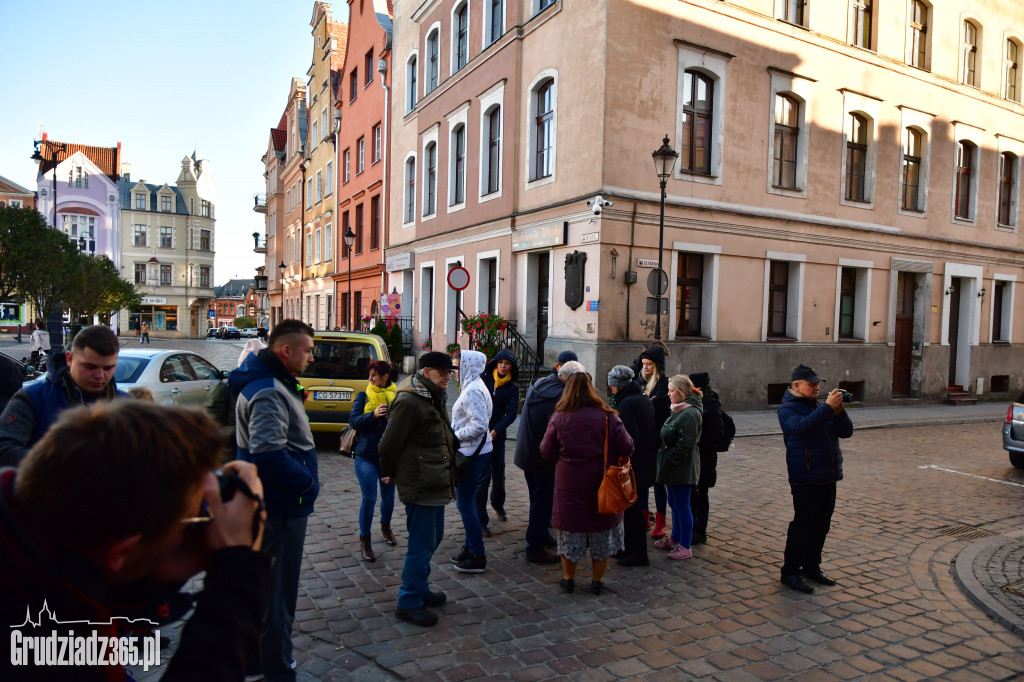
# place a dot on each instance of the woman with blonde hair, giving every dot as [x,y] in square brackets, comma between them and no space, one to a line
[575,441]
[679,461]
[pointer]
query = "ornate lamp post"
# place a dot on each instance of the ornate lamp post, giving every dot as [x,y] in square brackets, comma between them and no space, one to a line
[53,320]
[664,161]
[350,239]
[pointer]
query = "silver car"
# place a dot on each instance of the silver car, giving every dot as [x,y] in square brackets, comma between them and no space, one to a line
[175,377]
[1013,432]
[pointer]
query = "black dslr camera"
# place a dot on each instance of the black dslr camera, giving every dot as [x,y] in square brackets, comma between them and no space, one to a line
[847,396]
[230,483]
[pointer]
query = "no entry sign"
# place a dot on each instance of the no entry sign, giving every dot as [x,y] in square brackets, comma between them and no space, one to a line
[458,278]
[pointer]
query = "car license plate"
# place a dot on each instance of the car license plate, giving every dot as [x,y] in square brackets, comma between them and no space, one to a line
[332,395]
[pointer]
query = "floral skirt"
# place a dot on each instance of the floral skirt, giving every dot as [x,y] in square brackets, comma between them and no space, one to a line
[602,544]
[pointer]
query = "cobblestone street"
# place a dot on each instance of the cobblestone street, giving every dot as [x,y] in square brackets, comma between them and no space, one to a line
[896,614]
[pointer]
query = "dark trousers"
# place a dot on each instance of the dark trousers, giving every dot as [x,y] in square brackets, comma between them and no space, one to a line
[282,540]
[700,504]
[425,527]
[813,505]
[492,470]
[542,501]
[634,528]
[660,498]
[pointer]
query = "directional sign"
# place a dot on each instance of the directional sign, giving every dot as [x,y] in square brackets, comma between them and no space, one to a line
[458,278]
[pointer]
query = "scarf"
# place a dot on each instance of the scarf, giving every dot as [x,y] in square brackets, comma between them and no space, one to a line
[500,381]
[376,396]
[679,407]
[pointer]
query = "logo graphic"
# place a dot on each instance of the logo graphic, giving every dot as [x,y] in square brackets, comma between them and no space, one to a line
[71,649]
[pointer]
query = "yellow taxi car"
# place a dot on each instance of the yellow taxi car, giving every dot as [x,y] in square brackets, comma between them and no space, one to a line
[339,371]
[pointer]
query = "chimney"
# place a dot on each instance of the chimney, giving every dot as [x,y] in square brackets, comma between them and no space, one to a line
[126,170]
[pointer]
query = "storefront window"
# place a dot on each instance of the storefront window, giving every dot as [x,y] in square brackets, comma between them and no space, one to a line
[161,318]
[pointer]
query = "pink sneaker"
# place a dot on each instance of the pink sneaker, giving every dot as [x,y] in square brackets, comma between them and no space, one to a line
[680,553]
[665,543]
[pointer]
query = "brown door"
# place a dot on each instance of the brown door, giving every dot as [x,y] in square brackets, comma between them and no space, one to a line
[542,301]
[904,334]
[954,327]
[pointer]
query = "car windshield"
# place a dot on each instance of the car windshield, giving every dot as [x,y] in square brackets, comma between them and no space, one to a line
[340,360]
[129,369]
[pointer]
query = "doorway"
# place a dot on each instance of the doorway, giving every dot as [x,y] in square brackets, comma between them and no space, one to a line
[543,300]
[954,328]
[904,334]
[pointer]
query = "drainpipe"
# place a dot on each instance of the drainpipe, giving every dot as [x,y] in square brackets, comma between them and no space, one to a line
[382,69]
[629,264]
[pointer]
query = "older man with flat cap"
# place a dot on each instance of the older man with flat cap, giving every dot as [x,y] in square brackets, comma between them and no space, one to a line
[815,462]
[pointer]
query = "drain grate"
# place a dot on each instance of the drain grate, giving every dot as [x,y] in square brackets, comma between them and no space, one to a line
[1016,588]
[965,532]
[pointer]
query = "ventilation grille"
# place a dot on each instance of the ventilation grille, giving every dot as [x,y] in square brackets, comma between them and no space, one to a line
[965,532]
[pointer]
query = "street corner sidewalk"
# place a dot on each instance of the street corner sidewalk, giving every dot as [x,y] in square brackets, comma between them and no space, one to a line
[991,573]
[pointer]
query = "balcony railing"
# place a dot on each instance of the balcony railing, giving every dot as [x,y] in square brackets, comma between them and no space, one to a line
[260,203]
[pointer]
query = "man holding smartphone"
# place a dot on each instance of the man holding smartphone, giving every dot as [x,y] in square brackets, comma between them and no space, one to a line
[815,463]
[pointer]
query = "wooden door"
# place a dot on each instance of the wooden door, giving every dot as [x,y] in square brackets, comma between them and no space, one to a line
[904,334]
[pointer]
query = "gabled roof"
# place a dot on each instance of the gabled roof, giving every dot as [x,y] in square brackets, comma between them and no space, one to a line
[280,138]
[338,31]
[234,288]
[11,187]
[125,187]
[107,159]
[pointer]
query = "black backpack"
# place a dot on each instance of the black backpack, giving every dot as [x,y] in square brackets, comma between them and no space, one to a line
[728,432]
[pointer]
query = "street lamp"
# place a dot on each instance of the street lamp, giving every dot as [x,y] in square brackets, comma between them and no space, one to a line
[280,313]
[55,149]
[350,239]
[664,161]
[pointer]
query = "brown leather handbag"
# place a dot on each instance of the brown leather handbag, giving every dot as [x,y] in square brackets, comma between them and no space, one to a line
[618,487]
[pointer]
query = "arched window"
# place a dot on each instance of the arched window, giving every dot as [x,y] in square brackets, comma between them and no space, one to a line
[1012,72]
[410,189]
[911,175]
[856,158]
[430,180]
[458,169]
[964,172]
[695,143]
[787,133]
[492,162]
[544,132]
[969,55]
[918,35]
[460,37]
[411,73]
[433,62]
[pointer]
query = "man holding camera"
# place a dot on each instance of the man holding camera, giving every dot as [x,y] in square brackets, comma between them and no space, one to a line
[272,431]
[815,462]
[106,517]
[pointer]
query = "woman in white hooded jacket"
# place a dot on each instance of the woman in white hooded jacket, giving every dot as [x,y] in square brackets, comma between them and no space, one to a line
[471,416]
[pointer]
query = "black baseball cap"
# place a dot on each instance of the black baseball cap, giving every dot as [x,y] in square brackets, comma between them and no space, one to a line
[805,373]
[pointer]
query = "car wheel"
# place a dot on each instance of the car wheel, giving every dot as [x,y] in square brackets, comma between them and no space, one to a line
[1017,459]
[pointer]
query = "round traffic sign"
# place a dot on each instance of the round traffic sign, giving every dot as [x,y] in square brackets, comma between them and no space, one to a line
[657,282]
[458,278]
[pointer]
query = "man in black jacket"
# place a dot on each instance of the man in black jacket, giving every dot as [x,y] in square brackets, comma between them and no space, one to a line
[106,517]
[711,436]
[501,377]
[637,414]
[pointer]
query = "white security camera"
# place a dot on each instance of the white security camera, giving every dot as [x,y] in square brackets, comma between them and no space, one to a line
[598,204]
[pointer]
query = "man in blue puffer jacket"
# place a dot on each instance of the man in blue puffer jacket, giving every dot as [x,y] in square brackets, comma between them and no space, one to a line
[815,462]
[273,433]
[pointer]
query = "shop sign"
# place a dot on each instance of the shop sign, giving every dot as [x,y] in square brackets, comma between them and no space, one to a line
[154,300]
[647,262]
[590,237]
[538,237]
[399,261]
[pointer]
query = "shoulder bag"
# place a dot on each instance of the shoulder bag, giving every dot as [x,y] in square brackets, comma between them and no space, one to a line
[348,441]
[618,487]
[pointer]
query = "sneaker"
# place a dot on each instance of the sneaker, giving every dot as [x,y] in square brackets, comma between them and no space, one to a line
[680,553]
[665,543]
[474,563]
[461,556]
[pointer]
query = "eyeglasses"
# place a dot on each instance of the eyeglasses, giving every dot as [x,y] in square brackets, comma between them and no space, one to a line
[205,515]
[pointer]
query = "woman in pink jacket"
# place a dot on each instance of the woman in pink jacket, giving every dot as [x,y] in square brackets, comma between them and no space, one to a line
[575,442]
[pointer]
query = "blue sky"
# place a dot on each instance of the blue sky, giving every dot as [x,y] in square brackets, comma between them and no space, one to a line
[164,80]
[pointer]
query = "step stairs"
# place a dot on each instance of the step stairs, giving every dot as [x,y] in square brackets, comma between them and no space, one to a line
[956,395]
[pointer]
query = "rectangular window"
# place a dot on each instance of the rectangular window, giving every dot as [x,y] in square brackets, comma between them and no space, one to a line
[847,302]
[368,67]
[348,165]
[461,36]
[204,206]
[344,231]
[918,34]
[1007,167]
[1000,299]
[787,132]
[1011,71]
[689,294]
[412,67]
[309,193]
[328,243]
[793,11]
[433,67]
[544,129]
[856,158]
[458,192]
[329,179]
[410,190]
[430,198]
[493,163]
[318,235]
[309,249]
[376,143]
[778,295]
[314,136]
[375,223]
[140,236]
[969,55]
[964,163]
[165,275]
[360,155]
[140,273]
[353,85]
[319,186]
[166,237]
[698,95]
[204,275]
[860,23]
[497,19]
[204,240]
[165,204]
[911,175]
[359,230]
[140,202]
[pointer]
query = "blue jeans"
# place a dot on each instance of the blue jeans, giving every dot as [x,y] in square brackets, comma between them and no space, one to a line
[465,501]
[368,474]
[425,526]
[542,501]
[682,518]
[282,540]
[493,469]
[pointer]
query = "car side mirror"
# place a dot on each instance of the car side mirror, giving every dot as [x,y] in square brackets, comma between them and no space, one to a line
[224,374]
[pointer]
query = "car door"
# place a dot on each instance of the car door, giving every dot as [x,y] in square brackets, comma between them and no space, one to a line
[176,373]
[206,374]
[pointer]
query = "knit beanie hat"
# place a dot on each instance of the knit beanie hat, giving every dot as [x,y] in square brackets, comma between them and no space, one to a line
[620,375]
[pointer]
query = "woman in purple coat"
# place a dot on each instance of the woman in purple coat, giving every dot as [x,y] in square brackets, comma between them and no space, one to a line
[574,441]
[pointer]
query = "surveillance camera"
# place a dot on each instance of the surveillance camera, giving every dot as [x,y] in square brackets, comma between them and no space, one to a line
[598,204]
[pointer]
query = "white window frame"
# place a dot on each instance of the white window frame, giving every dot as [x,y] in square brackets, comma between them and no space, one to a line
[429,136]
[862,299]
[1006,328]
[412,81]
[867,108]
[328,242]
[800,89]
[481,281]
[912,118]
[453,63]
[17,203]
[406,222]
[427,302]
[309,249]
[314,135]
[714,65]
[794,296]
[963,131]
[360,155]
[493,97]
[488,14]
[319,186]
[1015,147]
[329,178]
[347,158]
[317,240]
[709,289]
[781,7]
[929,30]
[433,33]
[979,32]
[1009,36]
[376,144]
[538,6]
[460,116]
[531,129]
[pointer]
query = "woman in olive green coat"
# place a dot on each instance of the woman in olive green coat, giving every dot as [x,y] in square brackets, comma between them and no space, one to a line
[679,462]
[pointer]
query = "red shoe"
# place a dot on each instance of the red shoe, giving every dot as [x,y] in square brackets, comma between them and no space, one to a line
[647,519]
[659,526]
